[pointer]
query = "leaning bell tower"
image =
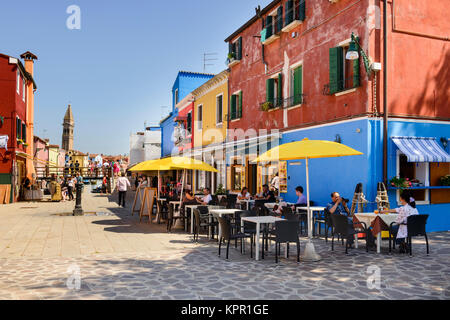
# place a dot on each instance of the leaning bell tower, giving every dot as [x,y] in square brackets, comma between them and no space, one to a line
[68,125]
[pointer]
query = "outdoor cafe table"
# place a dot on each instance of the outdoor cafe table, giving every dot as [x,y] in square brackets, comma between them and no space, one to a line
[192,207]
[247,202]
[159,204]
[258,221]
[175,204]
[221,213]
[378,222]
[313,210]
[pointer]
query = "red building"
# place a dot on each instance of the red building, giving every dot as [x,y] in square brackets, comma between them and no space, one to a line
[184,132]
[16,99]
[296,67]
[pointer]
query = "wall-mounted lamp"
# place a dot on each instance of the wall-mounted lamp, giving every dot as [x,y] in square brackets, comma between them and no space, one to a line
[358,130]
[444,142]
[355,50]
[338,139]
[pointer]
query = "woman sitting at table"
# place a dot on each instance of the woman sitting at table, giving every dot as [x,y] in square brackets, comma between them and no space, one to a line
[187,200]
[400,230]
[244,195]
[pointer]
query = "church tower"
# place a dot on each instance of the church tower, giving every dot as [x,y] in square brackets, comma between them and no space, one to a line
[68,125]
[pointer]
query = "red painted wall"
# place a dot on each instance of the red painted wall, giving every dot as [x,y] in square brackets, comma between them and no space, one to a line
[183,114]
[418,73]
[11,105]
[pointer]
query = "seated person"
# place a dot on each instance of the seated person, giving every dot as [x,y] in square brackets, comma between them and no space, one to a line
[207,198]
[407,209]
[267,195]
[301,201]
[187,200]
[244,195]
[339,206]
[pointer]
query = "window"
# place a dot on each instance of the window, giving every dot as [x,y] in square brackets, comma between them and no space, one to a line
[296,86]
[274,91]
[236,103]
[18,128]
[18,82]
[176,96]
[235,50]
[418,172]
[200,117]
[294,12]
[344,74]
[24,91]
[189,123]
[24,132]
[219,109]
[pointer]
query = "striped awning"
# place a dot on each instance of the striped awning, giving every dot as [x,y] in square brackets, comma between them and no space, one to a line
[421,149]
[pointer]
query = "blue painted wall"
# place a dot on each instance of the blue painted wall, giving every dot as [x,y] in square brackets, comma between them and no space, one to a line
[167,129]
[439,213]
[186,82]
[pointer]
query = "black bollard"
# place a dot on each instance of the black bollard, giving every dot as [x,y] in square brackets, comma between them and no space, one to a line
[78,211]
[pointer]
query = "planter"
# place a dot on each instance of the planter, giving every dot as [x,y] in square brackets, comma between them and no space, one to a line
[266,106]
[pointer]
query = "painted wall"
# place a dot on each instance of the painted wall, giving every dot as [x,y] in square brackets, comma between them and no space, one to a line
[211,133]
[314,37]
[439,213]
[186,82]
[183,113]
[167,129]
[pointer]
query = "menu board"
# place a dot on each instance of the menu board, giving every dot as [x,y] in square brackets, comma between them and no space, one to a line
[282,173]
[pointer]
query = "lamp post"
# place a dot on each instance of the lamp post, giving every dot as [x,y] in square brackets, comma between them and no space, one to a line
[78,211]
[354,52]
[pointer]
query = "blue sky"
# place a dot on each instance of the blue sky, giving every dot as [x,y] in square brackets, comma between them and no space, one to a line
[118,70]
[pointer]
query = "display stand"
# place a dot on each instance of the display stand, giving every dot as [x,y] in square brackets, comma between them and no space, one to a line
[147,204]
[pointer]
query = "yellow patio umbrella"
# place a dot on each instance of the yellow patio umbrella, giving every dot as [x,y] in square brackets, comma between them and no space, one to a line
[308,149]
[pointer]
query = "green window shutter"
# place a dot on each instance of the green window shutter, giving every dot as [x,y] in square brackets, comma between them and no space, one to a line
[270,83]
[280,89]
[240,105]
[279,19]
[24,132]
[230,47]
[18,128]
[356,74]
[269,27]
[298,84]
[233,107]
[302,10]
[336,69]
[289,15]
[239,49]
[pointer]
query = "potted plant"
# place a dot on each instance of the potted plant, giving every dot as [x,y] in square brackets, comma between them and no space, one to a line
[19,141]
[266,106]
[231,56]
[445,180]
[221,190]
[401,183]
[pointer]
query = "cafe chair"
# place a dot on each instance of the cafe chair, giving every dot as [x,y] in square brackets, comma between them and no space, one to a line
[227,235]
[201,220]
[223,202]
[416,225]
[171,218]
[286,232]
[214,201]
[231,200]
[341,228]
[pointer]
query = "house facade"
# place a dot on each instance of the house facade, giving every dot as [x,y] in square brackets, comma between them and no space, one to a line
[293,76]
[16,122]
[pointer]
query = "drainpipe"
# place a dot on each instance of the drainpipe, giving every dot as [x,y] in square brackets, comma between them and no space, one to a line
[385,97]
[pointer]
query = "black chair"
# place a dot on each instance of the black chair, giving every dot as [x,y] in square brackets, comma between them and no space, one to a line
[214,201]
[228,235]
[416,225]
[223,202]
[171,218]
[286,232]
[231,201]
[341,227]
[201,220]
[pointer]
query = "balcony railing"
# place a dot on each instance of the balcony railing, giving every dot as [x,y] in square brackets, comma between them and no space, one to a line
[342,85]
[283,103]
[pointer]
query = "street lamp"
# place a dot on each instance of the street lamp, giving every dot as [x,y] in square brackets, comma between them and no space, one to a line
[354,52]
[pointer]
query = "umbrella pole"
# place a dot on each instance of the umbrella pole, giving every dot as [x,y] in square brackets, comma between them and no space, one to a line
[310,252]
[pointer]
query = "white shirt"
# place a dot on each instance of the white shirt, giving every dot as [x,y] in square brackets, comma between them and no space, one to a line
[207,199]
[247,195]
[403,214]
[276,182]
[122,184]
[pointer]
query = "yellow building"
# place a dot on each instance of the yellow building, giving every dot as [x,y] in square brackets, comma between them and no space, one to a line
[53,159]
[210,130]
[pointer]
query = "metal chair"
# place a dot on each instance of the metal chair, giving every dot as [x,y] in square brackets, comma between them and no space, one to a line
[416,225]
[341,227]
[227,235]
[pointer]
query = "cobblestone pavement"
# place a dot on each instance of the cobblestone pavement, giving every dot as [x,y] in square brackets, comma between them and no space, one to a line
[43,256]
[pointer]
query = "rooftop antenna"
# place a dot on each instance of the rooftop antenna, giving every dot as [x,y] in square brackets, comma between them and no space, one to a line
[208,57]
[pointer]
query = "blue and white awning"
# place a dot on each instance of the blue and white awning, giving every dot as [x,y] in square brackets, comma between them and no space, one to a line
[421,149]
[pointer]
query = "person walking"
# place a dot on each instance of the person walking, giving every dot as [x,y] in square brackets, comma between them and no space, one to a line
[70,186]
[122,186]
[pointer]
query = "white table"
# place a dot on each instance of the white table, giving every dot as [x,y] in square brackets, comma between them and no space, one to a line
[221,213]
[247,202]
[270,205]
[369,217]
[258,221]
[312,209]
[175,204]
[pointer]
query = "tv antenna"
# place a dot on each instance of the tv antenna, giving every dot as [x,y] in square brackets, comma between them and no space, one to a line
[208,57]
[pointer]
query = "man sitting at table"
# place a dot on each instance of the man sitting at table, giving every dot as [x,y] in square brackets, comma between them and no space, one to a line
[339,206]
[301,201]
[207,198]
[267,195]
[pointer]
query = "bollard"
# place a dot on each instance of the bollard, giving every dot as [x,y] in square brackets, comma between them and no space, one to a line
[78,211]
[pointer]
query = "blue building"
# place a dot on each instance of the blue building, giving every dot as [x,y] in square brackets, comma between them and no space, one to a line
[185,83]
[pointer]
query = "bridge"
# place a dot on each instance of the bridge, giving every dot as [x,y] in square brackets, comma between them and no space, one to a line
[46,172]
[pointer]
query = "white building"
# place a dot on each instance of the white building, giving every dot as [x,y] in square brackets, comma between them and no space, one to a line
[145,145]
